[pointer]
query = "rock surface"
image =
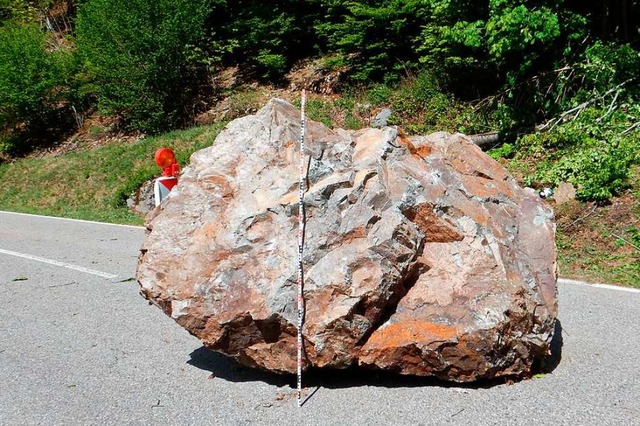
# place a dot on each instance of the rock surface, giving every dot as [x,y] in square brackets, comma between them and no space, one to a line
[381,118]
[422,255]
[565,193]
[142,200]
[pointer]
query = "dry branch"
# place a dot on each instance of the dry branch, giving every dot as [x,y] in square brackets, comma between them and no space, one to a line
[620,238]
[578,109]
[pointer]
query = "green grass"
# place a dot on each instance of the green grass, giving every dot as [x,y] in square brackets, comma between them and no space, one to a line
[591,249]
[94,184]
[598,265]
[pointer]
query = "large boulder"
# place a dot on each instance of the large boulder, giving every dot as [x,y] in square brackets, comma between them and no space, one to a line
[422,255]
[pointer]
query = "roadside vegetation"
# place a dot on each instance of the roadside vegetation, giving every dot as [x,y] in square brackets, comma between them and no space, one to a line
[94,184]
[90,88]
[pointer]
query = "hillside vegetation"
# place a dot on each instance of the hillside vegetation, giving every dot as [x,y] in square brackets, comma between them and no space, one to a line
[554,84]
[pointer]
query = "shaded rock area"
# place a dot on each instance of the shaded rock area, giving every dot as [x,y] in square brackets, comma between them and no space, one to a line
[142,200]
[422,255]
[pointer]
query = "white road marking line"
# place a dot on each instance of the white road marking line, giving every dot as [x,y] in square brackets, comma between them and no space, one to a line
[70,220]
[110,276]
[599,285]
[57,263]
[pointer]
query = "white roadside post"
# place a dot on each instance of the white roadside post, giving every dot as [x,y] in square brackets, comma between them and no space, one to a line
[166,160]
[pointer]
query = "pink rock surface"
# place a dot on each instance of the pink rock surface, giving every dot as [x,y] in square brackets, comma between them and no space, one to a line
[422,255]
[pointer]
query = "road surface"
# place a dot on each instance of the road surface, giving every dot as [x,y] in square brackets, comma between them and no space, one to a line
[78,345]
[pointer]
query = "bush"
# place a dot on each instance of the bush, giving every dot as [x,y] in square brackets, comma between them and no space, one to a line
[598,173]
[19,10]
[142,59]
[420,106]
[34,84]
[593,156]
[377,38]
[503,36]
[264,37]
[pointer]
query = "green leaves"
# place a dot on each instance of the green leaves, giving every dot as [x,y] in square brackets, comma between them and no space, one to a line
[599,172]
[20,11]
[140,57]
[592,155]
[504,34]
[264,37]
[34,82]
[516,29]
[378,38]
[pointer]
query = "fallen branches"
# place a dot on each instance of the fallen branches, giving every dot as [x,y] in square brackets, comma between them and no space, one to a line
[562,118]
[622,239]
[580,219]
[630,128]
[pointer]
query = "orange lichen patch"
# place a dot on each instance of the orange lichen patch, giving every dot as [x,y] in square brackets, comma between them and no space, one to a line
[422,151]
[487,188]
[435,229]
[355,234]
[410,332]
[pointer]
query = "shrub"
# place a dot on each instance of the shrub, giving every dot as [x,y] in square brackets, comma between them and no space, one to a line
[265,37]
[34,84]
[140,58]
[19,10]
[376,37]
[598,173]
[594,156]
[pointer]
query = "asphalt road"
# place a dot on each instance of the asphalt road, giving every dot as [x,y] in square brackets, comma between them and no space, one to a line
[80,346]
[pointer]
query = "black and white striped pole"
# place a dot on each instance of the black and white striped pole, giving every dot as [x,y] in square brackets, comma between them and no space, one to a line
[301,221]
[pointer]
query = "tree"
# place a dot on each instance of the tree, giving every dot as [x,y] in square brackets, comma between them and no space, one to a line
[34,82]
[23,11]
[265,36]
[141,57]
[378,38]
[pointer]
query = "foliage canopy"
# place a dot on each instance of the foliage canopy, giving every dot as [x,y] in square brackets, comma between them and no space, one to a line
[34,83]
[567,66]
[139,57]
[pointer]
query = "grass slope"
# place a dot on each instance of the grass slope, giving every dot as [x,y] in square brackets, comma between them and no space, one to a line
[93,184]
[601,244]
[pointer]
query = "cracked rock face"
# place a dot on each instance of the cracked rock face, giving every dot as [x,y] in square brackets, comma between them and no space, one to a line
[422,255]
